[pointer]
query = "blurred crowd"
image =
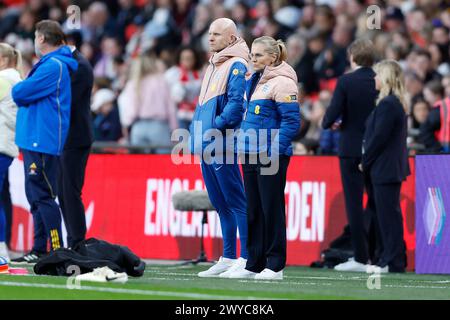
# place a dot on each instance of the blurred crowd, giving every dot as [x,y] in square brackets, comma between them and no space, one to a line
[149,55]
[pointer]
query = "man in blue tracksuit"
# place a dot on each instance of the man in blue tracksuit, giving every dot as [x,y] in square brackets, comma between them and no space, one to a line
[220,110]
[44,100]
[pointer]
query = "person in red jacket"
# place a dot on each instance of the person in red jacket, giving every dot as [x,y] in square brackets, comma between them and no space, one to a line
[435,131]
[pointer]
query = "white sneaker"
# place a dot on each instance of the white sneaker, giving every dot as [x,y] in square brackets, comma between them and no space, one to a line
[220,267]
[242,274]
[268,274]
[377,269]
[352,266]
[103,274]
[4,251]
[238,265]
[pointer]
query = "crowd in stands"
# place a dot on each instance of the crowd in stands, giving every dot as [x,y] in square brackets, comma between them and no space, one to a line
[149,56]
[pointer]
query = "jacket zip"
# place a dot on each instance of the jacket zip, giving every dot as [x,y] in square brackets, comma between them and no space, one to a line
[251,93]
[209,80]
[59,105]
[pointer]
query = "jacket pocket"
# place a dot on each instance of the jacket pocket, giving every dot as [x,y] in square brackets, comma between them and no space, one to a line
[207,116]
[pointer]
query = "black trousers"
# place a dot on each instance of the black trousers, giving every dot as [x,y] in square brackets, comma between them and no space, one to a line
[7,207]
[71,180]
[390,223]
[266,216]
[353,182]
[371,224]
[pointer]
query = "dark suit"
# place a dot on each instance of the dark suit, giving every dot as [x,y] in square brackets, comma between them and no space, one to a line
[353,100]
[385,159]
[74,158]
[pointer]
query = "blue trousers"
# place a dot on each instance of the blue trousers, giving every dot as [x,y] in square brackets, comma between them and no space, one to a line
[5,162]
[226,192]
[41,174]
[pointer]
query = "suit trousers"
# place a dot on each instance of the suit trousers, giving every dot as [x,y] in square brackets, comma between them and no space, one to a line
[390,222]
[71,180]
[266,216]
[353,184]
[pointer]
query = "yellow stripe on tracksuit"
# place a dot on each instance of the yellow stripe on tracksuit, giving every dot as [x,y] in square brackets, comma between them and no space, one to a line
[52,238]
[55,239]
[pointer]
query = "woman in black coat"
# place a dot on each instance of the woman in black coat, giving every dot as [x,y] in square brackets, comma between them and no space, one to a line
[385,160]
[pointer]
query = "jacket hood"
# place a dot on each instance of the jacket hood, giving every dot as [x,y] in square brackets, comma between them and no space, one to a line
[64,54]
[238,49]
[283,70]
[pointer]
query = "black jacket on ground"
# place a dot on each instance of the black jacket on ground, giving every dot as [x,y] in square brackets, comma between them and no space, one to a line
[385,154]
[88,255]
[81,133]
[353,101]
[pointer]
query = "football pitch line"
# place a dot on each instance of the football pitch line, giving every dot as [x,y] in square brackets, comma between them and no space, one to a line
[288,280]
[338,277]
[130,291]
[277,282]
[357,278]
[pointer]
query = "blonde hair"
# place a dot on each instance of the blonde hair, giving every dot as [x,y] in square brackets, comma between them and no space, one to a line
[392,81]
[13,56]
[272,46]
[143,65]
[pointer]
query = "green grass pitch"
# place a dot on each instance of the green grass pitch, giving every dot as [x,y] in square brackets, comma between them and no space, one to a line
[181,283]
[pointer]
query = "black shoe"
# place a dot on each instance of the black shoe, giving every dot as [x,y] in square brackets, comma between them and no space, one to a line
[30,258]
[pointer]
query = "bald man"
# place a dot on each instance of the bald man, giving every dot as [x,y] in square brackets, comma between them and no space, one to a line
[219,112]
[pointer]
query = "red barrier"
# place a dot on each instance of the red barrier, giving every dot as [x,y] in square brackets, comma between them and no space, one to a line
[128,201]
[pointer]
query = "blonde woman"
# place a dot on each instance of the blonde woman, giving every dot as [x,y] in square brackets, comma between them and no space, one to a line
[10,64]
[272,104]
[146,106]
[385,160]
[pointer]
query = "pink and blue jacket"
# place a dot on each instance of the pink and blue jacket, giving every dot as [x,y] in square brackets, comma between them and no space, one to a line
[221,101]
[271,102]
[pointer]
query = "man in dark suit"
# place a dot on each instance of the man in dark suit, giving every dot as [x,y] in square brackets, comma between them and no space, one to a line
[353,101]
[76,151]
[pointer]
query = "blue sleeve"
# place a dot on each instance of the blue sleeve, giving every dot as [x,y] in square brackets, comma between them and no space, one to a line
[234,109]
[325,141]
[39,85]
[289,126]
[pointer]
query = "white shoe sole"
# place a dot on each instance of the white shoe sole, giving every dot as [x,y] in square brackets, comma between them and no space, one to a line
[208,275]
[23,263]
[242,277]
[352,270]
[90,278]
[226,276]
[269,279]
